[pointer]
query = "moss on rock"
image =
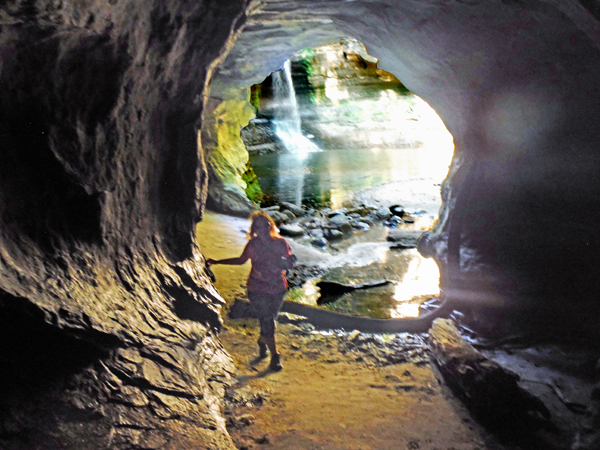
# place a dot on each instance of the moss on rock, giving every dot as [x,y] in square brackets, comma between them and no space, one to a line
[253,190]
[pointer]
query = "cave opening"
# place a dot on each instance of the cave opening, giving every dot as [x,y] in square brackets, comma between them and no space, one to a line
[361,159]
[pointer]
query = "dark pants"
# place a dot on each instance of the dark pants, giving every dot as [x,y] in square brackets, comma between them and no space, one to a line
[266,308]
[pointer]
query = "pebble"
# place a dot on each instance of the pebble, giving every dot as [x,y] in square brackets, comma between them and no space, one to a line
[383,213]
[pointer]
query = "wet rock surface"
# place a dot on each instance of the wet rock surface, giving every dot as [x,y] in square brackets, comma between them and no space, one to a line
[107,320]
[525,401]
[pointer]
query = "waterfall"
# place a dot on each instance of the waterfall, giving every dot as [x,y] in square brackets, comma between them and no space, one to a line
[287,119]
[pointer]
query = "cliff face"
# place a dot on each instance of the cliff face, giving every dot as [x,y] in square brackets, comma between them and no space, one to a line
[106,316]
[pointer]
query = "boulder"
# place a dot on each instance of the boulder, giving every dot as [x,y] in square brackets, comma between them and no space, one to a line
[297,210]
[491,391]
[278,217]
[291,230]
[405,238]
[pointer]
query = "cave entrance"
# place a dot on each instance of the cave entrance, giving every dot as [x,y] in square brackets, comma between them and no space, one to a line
[365,157]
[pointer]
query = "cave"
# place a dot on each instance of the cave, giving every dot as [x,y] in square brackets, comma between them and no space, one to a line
[115,120]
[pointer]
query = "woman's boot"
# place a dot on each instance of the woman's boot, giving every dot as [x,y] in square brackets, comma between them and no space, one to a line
[275,364]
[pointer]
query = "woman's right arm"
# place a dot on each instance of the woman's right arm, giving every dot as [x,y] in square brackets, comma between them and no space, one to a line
[245,256]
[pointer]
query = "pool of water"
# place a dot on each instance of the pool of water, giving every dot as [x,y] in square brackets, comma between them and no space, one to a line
[366,257]
[329,178]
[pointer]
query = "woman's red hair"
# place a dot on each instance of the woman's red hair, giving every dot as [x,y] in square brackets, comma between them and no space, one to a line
[260,216]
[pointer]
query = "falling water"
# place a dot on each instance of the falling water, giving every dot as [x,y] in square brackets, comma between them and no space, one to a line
[287,118]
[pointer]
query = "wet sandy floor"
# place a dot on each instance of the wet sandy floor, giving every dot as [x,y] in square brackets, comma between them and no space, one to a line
[326,399]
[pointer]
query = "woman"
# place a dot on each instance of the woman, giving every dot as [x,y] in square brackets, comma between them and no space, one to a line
[271,257]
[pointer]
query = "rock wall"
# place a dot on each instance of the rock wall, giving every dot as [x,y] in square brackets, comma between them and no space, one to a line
[108,323]
[107,318]
[225,154]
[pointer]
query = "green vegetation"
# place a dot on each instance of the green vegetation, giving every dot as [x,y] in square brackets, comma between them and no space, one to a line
[255,94]
[306,59]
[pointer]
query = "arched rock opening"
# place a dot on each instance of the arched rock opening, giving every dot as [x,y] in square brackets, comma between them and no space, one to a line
[97,214]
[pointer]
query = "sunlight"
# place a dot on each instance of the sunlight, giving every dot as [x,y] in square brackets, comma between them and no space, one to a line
[422,278]
[334,92]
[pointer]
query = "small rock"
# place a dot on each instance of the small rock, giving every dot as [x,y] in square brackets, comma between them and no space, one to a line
[246,419]
[333,234]
[397,210]
[405,238]
[271,208]
[337,212]
[317,233]
[360,226]
[264,439]
[346,228]
[354,335]
[290,215]
[339,220]
[383,213]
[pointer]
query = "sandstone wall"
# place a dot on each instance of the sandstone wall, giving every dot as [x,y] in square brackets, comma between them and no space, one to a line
[225,154]
[108,323]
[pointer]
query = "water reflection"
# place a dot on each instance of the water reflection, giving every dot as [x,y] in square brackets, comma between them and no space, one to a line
[338,174]
[414,281]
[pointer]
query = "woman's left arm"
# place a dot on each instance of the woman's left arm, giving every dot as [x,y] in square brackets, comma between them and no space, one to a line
[245,256]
